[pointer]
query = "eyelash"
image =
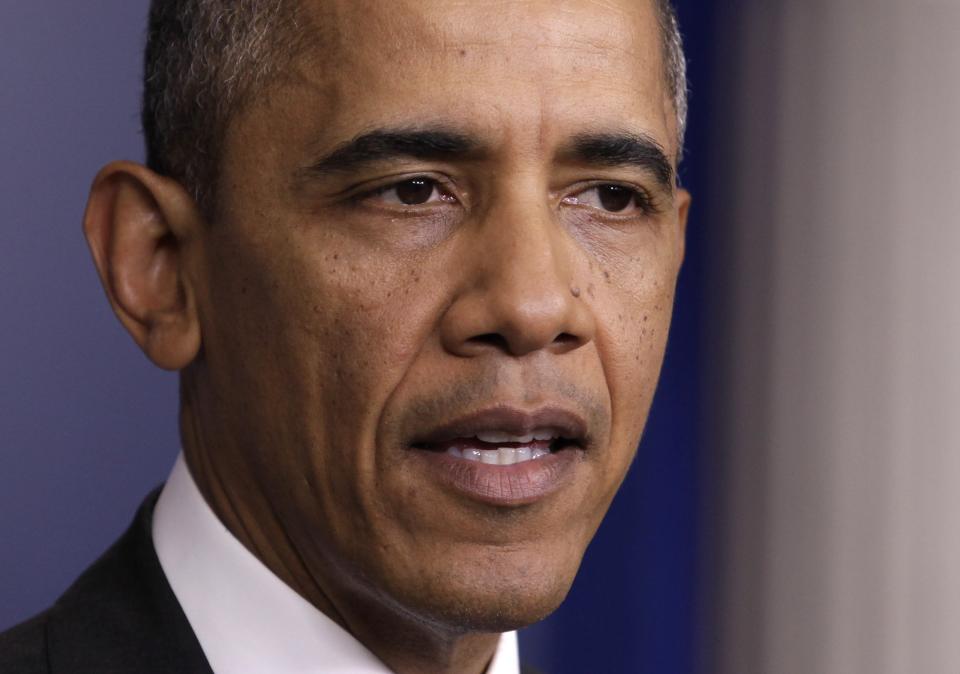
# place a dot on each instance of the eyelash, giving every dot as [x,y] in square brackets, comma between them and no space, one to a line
[444,187]
[645,204]
[436,185]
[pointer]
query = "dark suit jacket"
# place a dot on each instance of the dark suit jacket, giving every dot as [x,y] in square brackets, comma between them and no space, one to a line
[120,616]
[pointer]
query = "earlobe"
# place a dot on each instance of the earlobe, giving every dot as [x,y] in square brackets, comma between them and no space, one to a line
[140,228]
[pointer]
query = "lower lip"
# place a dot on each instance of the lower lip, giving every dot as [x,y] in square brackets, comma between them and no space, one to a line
[514,485]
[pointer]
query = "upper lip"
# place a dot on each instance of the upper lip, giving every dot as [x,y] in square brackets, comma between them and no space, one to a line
[510,420]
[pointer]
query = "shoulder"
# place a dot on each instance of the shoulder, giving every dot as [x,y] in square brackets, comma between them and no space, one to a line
[23,649]
[120,615]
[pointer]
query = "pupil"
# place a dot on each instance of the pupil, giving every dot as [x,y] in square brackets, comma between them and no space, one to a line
[614,197]
[415,191]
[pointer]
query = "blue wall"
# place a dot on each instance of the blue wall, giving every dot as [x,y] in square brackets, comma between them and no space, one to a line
[87,426]
[86,423]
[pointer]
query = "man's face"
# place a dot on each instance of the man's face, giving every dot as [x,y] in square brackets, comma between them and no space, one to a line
[495,259]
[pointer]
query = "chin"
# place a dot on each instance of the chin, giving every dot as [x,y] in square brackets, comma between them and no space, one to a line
[490,601]
[491,613]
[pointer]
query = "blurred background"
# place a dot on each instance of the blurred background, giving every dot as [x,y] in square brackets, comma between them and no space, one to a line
[795,504]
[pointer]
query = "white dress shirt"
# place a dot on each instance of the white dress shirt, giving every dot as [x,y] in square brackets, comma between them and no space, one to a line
[246,619]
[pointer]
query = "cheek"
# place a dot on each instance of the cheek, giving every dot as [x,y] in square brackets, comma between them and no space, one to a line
[319,339]
[634,302]
[368,317]
[315,346]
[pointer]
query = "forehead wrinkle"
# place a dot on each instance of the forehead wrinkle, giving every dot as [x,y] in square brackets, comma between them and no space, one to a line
[410,29]
[619,36]
[453,30]
[442,35]
[608,35]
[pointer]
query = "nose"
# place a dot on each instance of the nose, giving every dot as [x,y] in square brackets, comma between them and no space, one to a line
[519,294]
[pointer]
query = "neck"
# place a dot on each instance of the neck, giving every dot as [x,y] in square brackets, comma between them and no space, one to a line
[406,643]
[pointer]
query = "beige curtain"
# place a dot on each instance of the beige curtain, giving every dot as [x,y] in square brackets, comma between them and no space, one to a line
[838,419]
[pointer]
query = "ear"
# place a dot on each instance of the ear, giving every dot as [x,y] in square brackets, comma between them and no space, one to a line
[683,200]
[140,227]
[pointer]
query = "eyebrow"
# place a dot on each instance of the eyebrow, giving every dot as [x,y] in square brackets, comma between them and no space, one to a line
[622,149]
[383,145]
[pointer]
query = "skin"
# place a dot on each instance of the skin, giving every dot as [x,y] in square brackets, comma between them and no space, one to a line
[319,324]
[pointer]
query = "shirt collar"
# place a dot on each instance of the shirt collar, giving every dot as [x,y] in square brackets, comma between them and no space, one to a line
[246,619]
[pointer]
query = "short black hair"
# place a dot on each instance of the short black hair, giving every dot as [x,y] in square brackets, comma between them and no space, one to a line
[203,61]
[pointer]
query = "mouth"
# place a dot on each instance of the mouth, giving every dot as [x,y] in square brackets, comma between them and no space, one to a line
[500,448]
[505,456]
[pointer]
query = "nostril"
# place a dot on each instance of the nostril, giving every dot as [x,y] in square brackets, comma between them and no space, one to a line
[490,339]
[565,341]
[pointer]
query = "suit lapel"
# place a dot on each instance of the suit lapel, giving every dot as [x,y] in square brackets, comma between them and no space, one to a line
[122,616]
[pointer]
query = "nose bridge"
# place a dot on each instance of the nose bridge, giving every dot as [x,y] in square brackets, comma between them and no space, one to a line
[525,265]
[520,297]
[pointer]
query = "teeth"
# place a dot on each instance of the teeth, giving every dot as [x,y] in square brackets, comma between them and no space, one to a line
[490,456]
[498,437]
[504,456]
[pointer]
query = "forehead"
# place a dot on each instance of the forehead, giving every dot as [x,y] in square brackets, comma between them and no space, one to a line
[439,25]
[502,64]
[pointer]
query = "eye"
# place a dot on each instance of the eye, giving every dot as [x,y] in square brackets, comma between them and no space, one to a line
[612,198]
[415,191]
